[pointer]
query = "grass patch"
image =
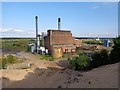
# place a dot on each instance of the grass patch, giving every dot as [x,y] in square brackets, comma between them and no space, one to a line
[16,44]
[46,57]
[7,60]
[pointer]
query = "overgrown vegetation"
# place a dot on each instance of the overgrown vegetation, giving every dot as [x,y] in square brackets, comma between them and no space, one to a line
[7,60]
[81,62]
[99,58]
[16,44]
[115,53]
[11,59]
[3,62]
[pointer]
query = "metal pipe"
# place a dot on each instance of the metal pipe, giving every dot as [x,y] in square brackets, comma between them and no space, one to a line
[43,35]
[38,41]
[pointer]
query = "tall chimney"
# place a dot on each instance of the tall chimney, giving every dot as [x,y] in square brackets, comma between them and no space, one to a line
[59,26]
[36,20]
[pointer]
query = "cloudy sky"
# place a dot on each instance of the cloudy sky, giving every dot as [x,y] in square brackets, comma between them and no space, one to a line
[82,18]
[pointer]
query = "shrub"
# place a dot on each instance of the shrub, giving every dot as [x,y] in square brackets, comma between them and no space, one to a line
[96,59]
[80,63]
[104,56]
[3,62]
[115,53]
[7,60]
[11,59]
[100,58]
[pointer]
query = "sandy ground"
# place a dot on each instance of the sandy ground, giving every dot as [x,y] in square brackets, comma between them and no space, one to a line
[47,74]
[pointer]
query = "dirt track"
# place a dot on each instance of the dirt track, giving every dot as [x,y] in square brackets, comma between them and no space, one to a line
[46,74]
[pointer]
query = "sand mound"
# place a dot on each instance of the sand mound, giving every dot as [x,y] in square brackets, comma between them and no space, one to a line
[102,77]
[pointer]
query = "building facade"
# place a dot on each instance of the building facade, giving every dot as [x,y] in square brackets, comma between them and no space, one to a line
[60,39]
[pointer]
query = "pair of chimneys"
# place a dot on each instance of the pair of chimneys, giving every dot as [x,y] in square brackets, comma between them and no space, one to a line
[36,20]
[59,24]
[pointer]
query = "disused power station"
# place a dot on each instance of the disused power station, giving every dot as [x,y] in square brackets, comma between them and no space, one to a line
[61,39]
[57,42]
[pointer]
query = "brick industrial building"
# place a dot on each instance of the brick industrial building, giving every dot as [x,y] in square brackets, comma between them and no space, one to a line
[61,39]
[56,42]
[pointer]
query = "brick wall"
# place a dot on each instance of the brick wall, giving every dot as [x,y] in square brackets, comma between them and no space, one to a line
[59,37]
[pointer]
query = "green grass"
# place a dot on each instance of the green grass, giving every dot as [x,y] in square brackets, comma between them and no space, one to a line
[46,57]
[7,60]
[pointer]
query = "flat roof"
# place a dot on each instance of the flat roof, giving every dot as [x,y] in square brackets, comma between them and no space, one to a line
[59,30]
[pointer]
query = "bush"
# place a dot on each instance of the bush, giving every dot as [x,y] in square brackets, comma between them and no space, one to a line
[104,56]
[96,59]
[115,53]
[11,59]
[3,62]
[7,60]
[80,63]
[100,58]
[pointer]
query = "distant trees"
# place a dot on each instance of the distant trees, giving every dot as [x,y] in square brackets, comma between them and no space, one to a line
[100,42]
